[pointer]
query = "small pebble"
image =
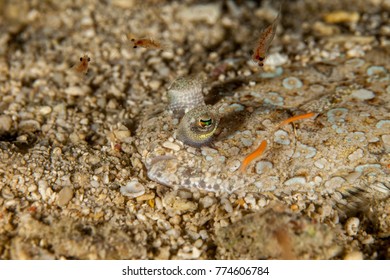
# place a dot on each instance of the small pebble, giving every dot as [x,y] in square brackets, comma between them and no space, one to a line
[247,142]
[77,91]
[295,181]
[342,17]
[320,163]
[29,126]
[207,201]
[355,255]
[209,13]
[171,146]
[334,183]
[155,85]
[369,239]
[45,110]
[376,70]
[368,166]
[6,193]
[363,94]
[383,124]
[386,142]
[323,29]
[352,226]
[5,123]
[64,196]
[276,59]
[227,205]
[184,205]
[146,196]
[356,155]
[133,189]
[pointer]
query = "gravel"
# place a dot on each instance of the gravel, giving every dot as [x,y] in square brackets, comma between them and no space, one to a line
[90,167]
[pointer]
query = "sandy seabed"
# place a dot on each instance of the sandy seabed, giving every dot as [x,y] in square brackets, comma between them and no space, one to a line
[77,176]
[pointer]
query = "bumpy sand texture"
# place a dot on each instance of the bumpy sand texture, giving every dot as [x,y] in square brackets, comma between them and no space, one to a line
[90,167]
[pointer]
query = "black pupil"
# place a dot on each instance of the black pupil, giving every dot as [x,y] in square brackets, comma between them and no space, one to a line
[205,123]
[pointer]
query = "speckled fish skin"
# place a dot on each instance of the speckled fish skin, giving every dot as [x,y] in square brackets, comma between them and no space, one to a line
[184,94]
[347,146]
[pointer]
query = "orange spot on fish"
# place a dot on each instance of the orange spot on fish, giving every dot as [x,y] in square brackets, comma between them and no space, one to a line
[296,118]
[252,156]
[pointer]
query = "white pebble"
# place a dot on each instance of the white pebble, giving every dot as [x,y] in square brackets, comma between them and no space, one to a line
[64,196]
[320,163]
[77,91]
[5,123]
[386,142]
[171,146]
[334,183]
[295,181]
[227,205]
[133,189]
[363,94]
[356,155]
[352,226]
[44,110]
[250,200]
[209,13]
[42,187]
[276,59]
[207,201]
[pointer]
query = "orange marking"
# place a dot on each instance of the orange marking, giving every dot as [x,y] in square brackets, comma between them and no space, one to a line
[252,156]
[151,203]
[240,202]
[296,118]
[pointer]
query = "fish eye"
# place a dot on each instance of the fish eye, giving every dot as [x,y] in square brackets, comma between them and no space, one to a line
[81,59]
[89,59]
[135,47]
[205,122]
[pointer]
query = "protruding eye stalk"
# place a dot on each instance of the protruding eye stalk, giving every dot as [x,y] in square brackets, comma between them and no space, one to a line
[184,94]
[198,126]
